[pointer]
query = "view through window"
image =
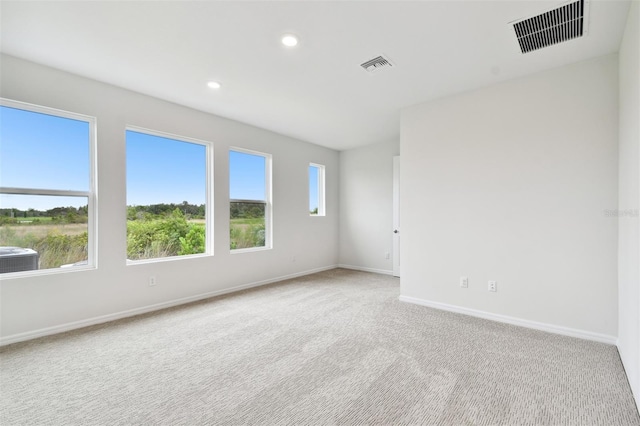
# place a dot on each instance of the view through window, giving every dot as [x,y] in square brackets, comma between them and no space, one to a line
[249,180]
[46,188]
[167,193]
[316,190]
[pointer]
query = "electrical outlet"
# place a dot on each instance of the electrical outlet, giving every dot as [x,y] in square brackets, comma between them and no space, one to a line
[493,286]
[293,259]
[387,255]
[464,282]
[152,280]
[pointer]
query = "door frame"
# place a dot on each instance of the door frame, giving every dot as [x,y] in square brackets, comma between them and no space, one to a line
[396,216]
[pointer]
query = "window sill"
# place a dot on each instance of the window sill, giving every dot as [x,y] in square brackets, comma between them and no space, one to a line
[249,250]
[166,259]
[45,272]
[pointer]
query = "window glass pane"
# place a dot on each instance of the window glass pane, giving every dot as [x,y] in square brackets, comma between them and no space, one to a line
[316,190]
[46,189]
[248,206]
[313,190]
[247,225]
[166,196]
[246,176]
[43,151]
[42,232]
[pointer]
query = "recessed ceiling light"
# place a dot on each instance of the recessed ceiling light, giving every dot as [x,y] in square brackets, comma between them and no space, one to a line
[213,85]
[289,40]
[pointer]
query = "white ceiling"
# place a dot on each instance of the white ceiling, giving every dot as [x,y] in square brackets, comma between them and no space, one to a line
[316,92]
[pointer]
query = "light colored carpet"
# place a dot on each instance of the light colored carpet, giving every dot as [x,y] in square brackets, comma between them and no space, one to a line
[331,348]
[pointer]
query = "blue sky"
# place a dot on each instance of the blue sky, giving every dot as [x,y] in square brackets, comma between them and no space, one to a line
[62,160]
[313,188]
[246,176]
[43,151]
[162,170]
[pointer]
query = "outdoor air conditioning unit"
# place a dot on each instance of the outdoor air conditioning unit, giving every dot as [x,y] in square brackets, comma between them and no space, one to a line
[16,259]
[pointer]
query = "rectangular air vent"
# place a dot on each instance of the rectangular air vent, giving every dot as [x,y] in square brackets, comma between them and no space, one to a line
[555,26]
[376,64]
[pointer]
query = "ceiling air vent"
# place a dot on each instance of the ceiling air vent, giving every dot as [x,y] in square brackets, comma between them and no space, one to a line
[555,26]
[376,64]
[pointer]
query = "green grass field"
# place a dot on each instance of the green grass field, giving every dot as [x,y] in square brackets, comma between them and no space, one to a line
[60,244]
[57,244]
[249,221]
[32,220]
[247,233]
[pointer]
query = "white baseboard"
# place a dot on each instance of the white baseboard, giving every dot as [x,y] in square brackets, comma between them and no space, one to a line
[29,335]
[556,329]
[363,269]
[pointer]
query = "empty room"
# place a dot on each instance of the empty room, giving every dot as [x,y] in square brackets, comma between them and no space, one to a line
[320,212]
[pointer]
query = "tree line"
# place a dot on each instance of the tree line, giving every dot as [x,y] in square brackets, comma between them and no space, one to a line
[191,211]
[57,211]
[55,215]
[239,210]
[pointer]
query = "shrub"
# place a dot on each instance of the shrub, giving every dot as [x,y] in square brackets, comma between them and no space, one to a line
[7,220]
[59,249]
[247,235]
[9,237]
[170,235]
[194,241]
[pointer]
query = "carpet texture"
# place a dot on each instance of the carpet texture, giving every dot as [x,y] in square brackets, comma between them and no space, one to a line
[331,348]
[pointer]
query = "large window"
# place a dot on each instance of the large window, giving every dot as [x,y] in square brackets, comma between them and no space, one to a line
[316,190]
[168,195]
[47,189]
[250,204]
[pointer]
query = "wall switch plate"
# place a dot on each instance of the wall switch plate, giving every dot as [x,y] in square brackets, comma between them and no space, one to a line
[493,286]
[464,282]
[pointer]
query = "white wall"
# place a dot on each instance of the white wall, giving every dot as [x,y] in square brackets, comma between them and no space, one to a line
[366,207]
[511,183]
[629,201]
[29,305]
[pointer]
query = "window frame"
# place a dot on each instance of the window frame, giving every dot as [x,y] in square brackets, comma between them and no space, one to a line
[268,213]
[322,211]
[209,199]
[91,194]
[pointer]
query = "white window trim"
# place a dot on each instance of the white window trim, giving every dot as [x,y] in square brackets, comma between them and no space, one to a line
[268,214]
[321,189]
[91,194]
[209,208]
